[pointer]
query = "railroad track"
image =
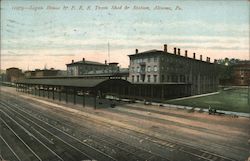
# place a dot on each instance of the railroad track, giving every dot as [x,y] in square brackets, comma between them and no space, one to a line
[104,139]
[28,150]
[56,135]
[198,153]
[15,156]
[137,154]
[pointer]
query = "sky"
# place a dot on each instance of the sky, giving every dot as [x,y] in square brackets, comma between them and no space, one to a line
[39,34]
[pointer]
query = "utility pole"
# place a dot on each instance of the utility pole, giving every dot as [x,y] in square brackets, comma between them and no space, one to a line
[108,53]
[249,91]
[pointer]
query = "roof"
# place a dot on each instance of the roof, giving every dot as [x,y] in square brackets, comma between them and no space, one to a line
[77,82]
[86,62]
[161,52]
[147,52]
[71,82]
[163,83]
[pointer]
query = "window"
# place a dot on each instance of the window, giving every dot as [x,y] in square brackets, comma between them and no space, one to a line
[133,69]
[133,78]
[155,68]
[138,69]
[149,69]
[137,78]
[174,78]
[162,78]
[182,78]
[155,78]
[148,78]
[155,59]
[143,77]
[149,59]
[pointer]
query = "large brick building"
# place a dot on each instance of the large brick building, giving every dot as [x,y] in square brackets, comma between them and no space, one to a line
[13,74]
[241,73]
[41,73]
[178,75]
[84,67]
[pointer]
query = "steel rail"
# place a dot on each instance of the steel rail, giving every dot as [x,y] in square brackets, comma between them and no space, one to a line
[116,145]
[10,149]
[30,134]
[72,137]
[27,146]
[179,146]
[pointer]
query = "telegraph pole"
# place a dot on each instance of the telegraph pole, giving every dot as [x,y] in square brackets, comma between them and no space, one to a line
[108,53]
[249,91]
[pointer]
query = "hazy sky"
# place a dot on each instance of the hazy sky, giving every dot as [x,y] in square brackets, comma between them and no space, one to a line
[34,35]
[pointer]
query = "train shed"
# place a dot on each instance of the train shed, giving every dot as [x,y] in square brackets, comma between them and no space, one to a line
[70,88]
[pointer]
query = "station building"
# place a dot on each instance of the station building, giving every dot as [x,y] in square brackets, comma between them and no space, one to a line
[84,67]
[175,74]
[154,75]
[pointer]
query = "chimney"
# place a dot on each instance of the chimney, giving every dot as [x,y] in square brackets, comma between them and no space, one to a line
[83,59]
[165,48]
[186,53]
[209,59]
[105,62]
[174,50]
[194,56]
[215,61]
[72,61]
[179,51]
[201,57]
[136,51]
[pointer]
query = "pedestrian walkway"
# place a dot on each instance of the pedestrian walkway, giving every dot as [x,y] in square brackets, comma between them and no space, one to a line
[196,96]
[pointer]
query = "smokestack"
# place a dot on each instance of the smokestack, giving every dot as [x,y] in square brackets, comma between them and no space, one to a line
[174,50]
[105,62]
[83,59]
[72,61]
[194,56]
[179,51]
[165,48]
[215,61]
[136,51]
[201,57]
[186,53]
[209,59]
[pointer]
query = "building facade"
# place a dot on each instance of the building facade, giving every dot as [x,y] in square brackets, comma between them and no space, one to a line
[241,73]
[13,74]
[41,73]
[163,68]
[84,67]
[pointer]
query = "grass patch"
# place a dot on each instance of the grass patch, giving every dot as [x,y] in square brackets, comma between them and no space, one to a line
[230,100]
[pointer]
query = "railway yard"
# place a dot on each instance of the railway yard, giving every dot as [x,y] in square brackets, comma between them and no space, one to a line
[34,128]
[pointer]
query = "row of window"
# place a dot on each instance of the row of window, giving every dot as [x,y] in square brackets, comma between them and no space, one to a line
[149,59]
[174,78]
[142,69]
[142,77]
